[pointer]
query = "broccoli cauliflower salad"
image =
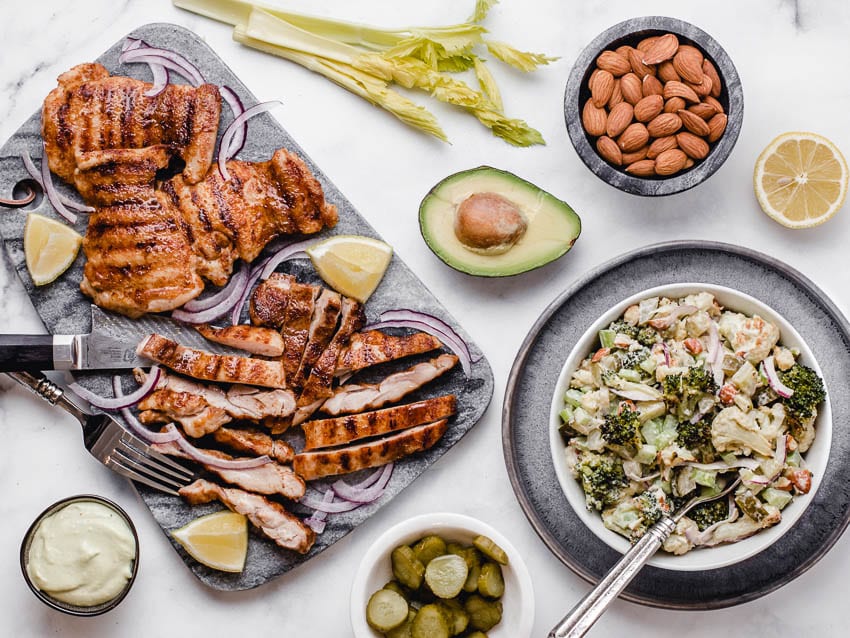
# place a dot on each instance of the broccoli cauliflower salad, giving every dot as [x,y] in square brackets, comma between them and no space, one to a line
[680,397]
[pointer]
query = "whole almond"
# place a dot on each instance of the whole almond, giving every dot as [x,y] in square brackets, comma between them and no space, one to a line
[670,162]
[644,44]
[601,87]
[674,104]
[619,118]
[633,137]
[623,50]
[642,168]
[638,67]
[615,63]
[593,119]
[609,150]
[664,48]
[630,86]
[716,127]
[661,144]
[650,85]
[689,163]
[710,71]
[634,156]
[703,88]
[694,123]
[616,95]
[678,89]
[666,72]
[704,110]
[708,99]
[694,147]
[664,125]
[688,63]
[648,108]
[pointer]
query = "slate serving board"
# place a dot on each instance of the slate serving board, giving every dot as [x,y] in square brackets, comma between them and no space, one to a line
[525,419]
[65,310]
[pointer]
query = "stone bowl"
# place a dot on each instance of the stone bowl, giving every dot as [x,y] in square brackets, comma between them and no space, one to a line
[630,32]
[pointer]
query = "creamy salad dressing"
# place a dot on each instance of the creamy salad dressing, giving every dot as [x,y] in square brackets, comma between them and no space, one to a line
[82,554]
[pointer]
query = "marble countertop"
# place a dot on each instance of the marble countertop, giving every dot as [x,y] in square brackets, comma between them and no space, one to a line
[790,56]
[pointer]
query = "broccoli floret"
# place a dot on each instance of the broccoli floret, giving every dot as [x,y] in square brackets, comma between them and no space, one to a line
[633,358]
[694,435]
[621,327]
[647,336]
[708,514]
[602,478]
[672,387]
[699,379]
[622,427]
[808,390]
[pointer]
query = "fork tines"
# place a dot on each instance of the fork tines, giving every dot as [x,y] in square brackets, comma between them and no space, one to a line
[136,460]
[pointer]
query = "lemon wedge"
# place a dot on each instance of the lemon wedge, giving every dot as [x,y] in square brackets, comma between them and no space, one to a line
[800,179]
[50,247]
[218,540]
[351,264]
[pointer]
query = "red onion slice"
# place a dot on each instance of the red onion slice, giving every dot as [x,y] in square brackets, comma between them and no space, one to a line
[316,521]
[364,495]
[132,43]
[17,203]
[236,281]
[136,427]
[166,58]
[160,80]
[335,507]
[290,251]
[52,193]
[253,276]
[773,379]
[35,174]
[213,461]
[237,108]
[231,131]
[120,401]
[224,301]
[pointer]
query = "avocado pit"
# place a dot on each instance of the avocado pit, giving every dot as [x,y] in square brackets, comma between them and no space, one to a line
[489,223]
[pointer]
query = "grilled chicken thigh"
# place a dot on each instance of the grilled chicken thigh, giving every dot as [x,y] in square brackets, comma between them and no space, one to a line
[253,339]
[372,347]
[254,442]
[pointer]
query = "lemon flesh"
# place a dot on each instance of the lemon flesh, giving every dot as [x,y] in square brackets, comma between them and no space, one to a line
[218,540]
[50,247]
[351,264]
[800,179]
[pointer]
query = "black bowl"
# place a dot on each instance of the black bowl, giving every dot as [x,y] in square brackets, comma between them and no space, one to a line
[630,32]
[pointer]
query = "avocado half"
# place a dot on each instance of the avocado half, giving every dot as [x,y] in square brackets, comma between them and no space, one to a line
[552,225]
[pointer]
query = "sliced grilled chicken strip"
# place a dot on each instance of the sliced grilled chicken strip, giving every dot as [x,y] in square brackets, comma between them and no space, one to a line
[254,442]
[202,409]
[270,517]
[373,347]
[270,299]
[113,176]
[313,465]
[90,110]
[296,325]
[322,326]
[345,429]
[270,478]
[360,397]
[200,364]
[262,341]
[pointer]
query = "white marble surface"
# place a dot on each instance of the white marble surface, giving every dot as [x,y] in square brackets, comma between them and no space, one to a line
[792,59]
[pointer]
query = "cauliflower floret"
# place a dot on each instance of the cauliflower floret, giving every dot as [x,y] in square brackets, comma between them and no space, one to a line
[698,323]
[581,379]
[750,337]
[746,379]
[702,300]
[771,421]
[596,402]
[678,543]
[783,358]
[734,430]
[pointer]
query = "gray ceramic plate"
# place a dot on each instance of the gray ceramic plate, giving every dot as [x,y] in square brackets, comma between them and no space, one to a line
[64,310]
[525,418]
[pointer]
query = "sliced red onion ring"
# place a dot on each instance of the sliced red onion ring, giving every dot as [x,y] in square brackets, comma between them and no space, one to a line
[316,521]
[236,281]
[52,193]
[666,351]
[136,427]
[231,132]
[364,495]
[773,379]
[224,300]
[17,203]
[253,276]
[213,461]
[335,507]
[164,57]
[460,351]
[160,80]
[132,43]
[294,250]
[35,174]
[237,108]
[120,401]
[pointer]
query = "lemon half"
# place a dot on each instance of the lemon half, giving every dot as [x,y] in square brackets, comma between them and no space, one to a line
[351,264]
[218,540]
[50,247]
[800,179]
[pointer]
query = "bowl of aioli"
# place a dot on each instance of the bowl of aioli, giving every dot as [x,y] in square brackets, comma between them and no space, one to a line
[81,555]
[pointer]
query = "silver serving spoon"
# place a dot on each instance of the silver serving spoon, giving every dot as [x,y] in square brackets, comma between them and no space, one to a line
[582,617]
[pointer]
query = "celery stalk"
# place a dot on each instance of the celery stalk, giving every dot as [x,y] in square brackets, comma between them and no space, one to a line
[488,83]
[518,59]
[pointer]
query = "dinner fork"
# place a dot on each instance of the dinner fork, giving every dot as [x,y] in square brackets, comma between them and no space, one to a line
[110,443]
[582,617]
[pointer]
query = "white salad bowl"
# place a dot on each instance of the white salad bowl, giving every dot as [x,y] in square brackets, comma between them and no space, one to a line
[376,570]
[709,557]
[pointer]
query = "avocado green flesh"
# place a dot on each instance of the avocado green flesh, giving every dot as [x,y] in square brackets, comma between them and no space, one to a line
[552,229]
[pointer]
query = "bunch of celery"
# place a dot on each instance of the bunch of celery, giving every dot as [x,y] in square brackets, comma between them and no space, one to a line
[367,60]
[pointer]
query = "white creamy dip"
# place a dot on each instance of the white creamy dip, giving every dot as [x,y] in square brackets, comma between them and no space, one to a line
[82,554]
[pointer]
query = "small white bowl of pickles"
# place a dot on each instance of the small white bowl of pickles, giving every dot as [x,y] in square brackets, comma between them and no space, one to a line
[439,575]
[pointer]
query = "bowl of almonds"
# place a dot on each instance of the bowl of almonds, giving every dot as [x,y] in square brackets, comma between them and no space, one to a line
[654,106]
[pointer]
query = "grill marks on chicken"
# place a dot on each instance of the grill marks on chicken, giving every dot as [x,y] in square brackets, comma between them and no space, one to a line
[270,517]
[253,339]
[90,110]
[326,313]
[254,442]
[372,347]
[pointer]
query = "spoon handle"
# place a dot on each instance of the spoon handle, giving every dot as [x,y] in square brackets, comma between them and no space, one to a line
[582,617]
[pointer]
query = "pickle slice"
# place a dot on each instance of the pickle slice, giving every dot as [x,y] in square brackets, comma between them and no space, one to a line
[446,575]
[386,610]
[490,549]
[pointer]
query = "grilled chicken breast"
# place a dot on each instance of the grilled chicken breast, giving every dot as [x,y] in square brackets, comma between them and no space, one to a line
[90,110]
[253,339]
[270,517]
[269,300]
[113,176]
[372,347]
[341,430]
[313,465]
[352,398]
[296,324]
[200,364]
[322,325]
[254,442]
